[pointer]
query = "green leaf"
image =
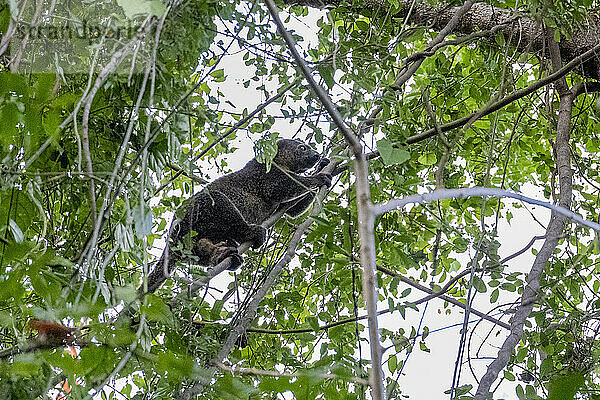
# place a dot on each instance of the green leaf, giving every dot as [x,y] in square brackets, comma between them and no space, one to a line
[565,387]
[479,284]
[326,72]
[464,389]
[460,244]
[177,365]
[557,36]
[218,74]
[215,312]
[392,154]
[16,231]
[277,385]
[313,322]
[428,159]
[508,286]
[266,149]
[156,310]
[392,363]
[546,367]
[142,216]
[494,296]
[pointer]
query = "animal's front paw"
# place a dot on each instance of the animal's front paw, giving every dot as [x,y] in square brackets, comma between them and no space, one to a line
[236,261]
[258,235]
[323,180]
[222,251]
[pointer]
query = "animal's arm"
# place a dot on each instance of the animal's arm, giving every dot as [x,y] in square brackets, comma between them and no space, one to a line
[294,186]
[296,207]
[296,192]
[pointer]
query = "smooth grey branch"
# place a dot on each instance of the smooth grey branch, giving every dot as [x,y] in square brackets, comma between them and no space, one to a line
[441,194]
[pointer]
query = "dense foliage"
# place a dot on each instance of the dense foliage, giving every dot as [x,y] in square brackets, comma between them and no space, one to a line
[95,161]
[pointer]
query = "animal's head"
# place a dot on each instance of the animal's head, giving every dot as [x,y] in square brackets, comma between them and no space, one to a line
[295,156]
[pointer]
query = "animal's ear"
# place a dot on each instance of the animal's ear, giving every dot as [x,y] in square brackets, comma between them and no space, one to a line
[266,149]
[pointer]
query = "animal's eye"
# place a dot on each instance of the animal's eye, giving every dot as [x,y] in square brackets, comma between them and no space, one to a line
[303,147]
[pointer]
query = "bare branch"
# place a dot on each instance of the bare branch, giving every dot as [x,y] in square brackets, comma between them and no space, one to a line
[523,250]
[480,192]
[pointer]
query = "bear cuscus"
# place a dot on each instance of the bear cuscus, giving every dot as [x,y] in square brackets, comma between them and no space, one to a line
[211,224]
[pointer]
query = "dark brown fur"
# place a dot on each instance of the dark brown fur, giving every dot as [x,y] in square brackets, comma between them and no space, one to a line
[229,211]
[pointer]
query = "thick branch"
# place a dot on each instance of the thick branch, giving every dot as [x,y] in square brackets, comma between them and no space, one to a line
[526,35]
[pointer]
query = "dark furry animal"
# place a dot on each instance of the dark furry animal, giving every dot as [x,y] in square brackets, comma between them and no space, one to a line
[229,211]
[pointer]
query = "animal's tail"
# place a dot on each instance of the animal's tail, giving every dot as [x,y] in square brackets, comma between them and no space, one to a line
[164,266]
[160,272]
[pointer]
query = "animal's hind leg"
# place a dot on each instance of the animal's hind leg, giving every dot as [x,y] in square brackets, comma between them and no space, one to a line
[212,254]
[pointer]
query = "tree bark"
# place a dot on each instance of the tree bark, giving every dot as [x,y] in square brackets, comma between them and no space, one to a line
[523,33]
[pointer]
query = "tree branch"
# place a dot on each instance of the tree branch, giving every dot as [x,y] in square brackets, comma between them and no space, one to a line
[525,34]
[554,231]
[480,192]
[469,119]
[366,217]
